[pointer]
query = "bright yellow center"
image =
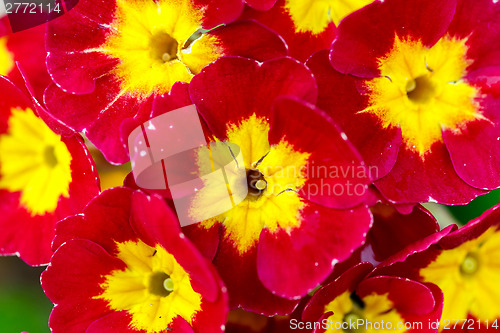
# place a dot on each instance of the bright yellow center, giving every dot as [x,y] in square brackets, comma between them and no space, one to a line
[374,309]
[151,42]
[272,202]
[154,288]
[6,57]
[34,161]
[315,15]
[422,91]
[468,276]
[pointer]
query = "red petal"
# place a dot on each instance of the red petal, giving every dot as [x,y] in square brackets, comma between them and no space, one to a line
[310,130]
[469,15]
[100,114]
[156,224]
[72,280]
[415,302]
[432,179]
[475,150]
[177,98]
[214,314]
[30,236]
[28,49]
[104,221]
[404,263]
[233,88]
[340,98]
[473,229]
[239,272]
[291,263]
[205,240]
[217,12]
[409,297]
[249,39]
[346,282]
[262,5]
[85,182]
[69,38]
[479,22]
[392,231]
[23,235]
[113,322]
[300,44]
[56,125]
[12,97]
[487,80]
[368,34]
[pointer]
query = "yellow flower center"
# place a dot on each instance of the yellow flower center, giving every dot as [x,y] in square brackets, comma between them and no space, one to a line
[274,174]
[34,161]
[6,57]
[422,91]
[154,288]
[160,284]
[256,184]
[351,319]
[315,15]
[152,41]
[163,47]
[352,314]
[468,276]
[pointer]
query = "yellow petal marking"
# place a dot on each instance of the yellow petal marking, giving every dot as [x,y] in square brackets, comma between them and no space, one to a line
[152,303]
[6,57]
[422,91]
[35,162]
[315,15]
[469,288]
[377,309]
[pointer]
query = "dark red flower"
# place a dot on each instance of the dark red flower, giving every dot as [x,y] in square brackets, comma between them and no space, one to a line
[413,85]
[123,265]
[284,238]
[377,303]
[464,264]
[44,177]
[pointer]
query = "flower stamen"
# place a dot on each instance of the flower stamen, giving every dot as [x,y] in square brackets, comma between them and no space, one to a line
[163,47]
[256,184]
[420,90]
[160,284]
[470,265]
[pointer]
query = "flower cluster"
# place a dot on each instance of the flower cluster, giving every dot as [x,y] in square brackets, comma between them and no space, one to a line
[347,116]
